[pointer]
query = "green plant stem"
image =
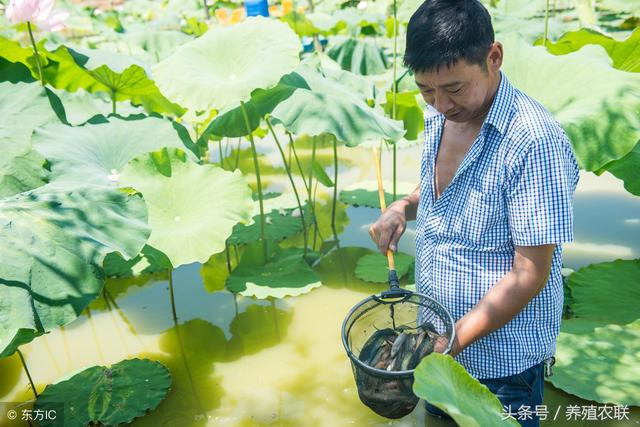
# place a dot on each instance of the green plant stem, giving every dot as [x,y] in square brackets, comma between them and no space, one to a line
[546,25]
[313,195]
[173,301]
[237,154]
[295,155]
[24,365]
[35,50]
[226,252]
[293,185]
[207,15]
[335,186]
[304,181]
[113,102]
[221,155]
[259,183]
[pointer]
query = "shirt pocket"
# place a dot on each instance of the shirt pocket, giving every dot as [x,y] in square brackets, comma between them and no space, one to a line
[480,218]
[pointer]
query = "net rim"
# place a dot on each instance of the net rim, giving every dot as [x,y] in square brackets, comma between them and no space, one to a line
[382,372]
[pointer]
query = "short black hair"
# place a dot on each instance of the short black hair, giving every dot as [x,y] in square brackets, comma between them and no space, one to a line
[442,32]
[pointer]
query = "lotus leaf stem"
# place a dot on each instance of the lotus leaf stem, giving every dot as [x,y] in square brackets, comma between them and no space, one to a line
[293,185]
[546,25]
[35,50]
[24,365]
[259,183]
[173,302]
[335,186]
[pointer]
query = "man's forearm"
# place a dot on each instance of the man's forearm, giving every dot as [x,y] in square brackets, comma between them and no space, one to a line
[503,301]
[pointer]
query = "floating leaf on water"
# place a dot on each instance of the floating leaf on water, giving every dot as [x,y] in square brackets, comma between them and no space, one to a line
[285,273]
[278,225]
[108,396]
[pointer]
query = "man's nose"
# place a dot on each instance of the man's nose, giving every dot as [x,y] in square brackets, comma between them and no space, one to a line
[442,103]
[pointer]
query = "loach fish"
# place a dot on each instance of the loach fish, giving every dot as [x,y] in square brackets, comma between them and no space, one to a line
[374,343]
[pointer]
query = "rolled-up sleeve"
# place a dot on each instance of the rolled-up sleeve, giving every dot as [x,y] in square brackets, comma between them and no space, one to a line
[540,194]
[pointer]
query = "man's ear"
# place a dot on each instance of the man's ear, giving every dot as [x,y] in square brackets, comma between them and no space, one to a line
[494,58]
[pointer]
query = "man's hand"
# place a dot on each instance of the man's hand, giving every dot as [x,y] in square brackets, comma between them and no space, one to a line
[386,231]
[441,345]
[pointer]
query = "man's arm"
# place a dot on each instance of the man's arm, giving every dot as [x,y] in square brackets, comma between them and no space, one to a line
[527,277]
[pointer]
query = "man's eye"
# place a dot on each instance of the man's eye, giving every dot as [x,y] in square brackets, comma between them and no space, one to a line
[453,92]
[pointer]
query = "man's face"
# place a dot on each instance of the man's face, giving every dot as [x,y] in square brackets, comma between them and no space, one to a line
[461,92]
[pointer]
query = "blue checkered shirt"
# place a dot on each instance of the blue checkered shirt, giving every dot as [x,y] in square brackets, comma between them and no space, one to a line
[514,187]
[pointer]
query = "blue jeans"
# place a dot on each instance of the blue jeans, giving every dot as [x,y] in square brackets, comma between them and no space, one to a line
[523,389]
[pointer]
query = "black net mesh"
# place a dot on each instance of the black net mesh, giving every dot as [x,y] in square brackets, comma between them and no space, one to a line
[385,338]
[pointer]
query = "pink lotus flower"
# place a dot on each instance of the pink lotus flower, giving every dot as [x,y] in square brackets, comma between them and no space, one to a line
[39,12]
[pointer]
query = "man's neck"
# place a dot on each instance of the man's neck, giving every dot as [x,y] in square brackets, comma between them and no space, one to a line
[478,120]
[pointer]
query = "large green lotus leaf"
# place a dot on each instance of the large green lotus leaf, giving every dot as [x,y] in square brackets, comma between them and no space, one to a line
[409,111]
[53,242]
[627,169]
[625,54]
[599,362]
[221,68]
[359,56]
[192,208]
[444,383]
[608,292]
[279,224]
[23,107]
[375,268]
[349,119]
[232,123]
[158,43]
[107,396]
[310,24]
[602,122]
[96,71]
[285,273]
[365,193]
[97,153]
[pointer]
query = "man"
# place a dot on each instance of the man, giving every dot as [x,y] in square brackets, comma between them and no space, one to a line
[494,205]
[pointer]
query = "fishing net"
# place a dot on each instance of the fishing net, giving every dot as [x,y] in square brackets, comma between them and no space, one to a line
[386,336]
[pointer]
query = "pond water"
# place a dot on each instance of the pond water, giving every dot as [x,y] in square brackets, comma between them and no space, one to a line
[238,361]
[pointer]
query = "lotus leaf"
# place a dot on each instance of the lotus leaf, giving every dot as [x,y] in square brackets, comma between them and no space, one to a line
[624,54]
[192,208]
[627,169]
[54,241]
[221,69]
[599,362]
[107,396]
[360,56]
[444,383]
[374,267]
[602,122]
[285,271]
[607,292]
[97,153]
[279,224]
[349,119]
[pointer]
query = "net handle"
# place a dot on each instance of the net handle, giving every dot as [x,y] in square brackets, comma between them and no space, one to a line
[394,283]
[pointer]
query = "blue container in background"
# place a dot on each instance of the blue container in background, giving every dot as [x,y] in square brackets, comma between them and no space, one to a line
[257,7]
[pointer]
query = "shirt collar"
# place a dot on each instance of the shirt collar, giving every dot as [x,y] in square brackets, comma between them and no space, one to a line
[500,111]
